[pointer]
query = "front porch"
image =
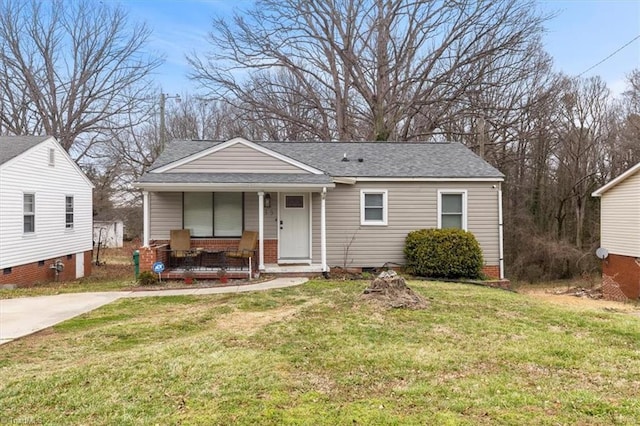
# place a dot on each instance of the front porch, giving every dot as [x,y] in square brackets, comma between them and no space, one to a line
[281,219]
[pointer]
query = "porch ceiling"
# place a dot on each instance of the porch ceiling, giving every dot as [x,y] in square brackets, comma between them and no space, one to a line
[234,182]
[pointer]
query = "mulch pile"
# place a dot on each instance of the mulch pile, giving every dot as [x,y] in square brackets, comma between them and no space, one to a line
[391,291]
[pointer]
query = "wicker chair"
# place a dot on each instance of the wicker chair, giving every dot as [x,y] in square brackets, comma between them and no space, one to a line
[246,248]
[181,252]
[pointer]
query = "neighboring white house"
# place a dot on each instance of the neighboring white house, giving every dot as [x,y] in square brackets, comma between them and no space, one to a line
[620,234]
[46,212]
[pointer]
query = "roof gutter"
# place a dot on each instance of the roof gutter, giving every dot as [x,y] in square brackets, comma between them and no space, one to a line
[422,179]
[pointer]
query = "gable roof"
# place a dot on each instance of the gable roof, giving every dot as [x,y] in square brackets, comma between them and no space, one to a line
[379,159]
[12,146]
[632,171]
[238,141]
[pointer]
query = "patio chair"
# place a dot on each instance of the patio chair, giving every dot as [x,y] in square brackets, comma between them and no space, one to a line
[180,245]
[246,248]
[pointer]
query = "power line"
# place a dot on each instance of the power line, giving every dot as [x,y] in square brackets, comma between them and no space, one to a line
[616,51]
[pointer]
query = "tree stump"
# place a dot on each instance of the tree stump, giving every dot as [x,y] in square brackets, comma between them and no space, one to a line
[390,290]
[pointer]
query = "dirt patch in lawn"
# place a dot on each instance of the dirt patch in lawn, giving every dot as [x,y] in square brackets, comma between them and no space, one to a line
[250,322]
[578,297]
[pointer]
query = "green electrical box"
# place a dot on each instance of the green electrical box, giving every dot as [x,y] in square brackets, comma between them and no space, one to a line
[136,262]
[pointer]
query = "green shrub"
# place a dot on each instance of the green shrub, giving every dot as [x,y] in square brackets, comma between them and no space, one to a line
[147,278]
[443,253]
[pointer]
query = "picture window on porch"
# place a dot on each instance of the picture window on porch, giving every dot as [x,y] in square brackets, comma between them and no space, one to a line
[218,214]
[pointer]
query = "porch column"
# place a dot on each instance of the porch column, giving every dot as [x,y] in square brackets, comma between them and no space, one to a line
[500,233]
[146,219]
[323,230]
[261,230]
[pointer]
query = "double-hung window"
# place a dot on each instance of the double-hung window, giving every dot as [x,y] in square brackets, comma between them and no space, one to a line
[218,214]
[373,207]
[68,211]
[29,213]
[452,209]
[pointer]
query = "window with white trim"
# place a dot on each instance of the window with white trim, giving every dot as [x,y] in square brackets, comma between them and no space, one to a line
[29,213]
[68,211]
[452,209]
[218,214]
[373,207]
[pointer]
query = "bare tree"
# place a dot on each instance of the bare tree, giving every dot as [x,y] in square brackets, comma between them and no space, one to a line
[626,153]
[71,70]
[365,69]
[194,117]
[583,133]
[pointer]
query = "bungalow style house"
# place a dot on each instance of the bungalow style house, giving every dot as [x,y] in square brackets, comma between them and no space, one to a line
[620,235]
[317,205]
[46,212]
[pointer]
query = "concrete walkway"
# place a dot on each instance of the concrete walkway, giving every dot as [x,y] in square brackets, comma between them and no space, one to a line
[25,315]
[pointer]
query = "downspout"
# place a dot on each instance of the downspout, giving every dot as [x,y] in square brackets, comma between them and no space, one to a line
[323,231]
[500,232]
[146,221]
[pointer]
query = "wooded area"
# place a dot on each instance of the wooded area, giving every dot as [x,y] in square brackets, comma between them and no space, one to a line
[350,70]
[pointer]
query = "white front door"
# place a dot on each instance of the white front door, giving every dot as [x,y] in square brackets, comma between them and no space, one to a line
[79,265]
[294,227]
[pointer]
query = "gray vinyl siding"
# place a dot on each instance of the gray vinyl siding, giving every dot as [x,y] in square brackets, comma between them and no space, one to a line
[411,206]
[237,159]
[620,218]
[32,174]
[270,215]
[166,214]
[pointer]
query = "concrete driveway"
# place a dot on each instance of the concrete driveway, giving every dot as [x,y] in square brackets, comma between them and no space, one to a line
[25,315]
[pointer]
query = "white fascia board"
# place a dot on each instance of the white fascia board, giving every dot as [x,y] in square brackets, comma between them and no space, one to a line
[72,162]
[426,179]
[598,192]
[232,142]
[232,187]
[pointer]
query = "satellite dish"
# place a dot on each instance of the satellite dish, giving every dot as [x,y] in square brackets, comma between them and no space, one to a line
[602,253]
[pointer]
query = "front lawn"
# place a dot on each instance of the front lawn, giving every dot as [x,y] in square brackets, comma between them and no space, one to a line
[317,354]
[112,277]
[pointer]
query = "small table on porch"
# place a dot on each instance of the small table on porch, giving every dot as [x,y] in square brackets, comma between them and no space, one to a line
[213,259]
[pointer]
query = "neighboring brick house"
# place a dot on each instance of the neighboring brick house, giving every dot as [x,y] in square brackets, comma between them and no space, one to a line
[46,212]
[620,235]
[317,205]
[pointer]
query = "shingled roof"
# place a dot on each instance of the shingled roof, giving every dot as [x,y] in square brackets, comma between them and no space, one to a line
[12,146]
[365,159]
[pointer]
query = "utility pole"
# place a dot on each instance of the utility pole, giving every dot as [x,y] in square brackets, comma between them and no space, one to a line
[163,129]
[481,135]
